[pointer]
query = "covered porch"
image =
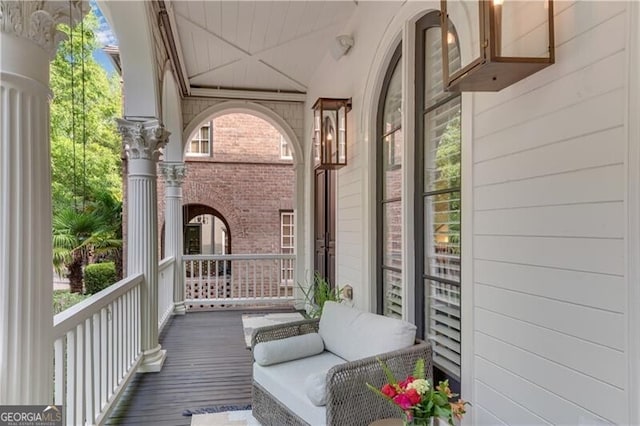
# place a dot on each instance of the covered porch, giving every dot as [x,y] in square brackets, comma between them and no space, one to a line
[505,226]
[211,367]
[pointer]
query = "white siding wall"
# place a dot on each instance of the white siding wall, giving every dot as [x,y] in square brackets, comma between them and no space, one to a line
[549,316]
[546,311]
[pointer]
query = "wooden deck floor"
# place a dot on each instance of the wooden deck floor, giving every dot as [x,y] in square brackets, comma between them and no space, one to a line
[207,364]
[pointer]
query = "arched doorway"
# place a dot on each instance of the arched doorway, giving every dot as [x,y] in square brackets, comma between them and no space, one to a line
[206,231]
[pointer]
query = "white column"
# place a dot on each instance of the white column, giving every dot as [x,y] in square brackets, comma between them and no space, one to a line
[28,40]
[142,142]
[174,174]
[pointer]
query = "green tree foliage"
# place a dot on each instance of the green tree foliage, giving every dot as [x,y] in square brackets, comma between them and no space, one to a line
[85,153]
[448,155]
[97,158]
[82,236]
[74,233]
[448,169]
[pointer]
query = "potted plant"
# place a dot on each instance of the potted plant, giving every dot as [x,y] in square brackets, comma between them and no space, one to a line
[420,402]
[316,294]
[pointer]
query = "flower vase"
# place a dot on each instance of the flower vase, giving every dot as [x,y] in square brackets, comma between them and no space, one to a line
[431,421]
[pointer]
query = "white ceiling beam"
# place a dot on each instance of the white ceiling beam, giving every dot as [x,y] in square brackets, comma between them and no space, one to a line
[256,95]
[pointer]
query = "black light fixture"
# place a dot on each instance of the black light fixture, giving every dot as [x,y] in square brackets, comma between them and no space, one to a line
[512,40]
[330,132]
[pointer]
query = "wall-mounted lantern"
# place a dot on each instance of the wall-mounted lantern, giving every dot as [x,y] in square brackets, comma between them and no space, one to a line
[330,132]
[512,39]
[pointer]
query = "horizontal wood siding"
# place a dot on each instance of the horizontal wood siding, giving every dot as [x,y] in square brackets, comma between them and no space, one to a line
[349,249]
[550,309]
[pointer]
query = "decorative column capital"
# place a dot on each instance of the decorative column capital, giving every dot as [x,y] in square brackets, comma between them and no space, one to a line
[143,140]
[173,173]
[38,20]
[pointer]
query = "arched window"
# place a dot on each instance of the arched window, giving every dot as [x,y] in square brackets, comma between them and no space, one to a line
[437,200]
[389,186]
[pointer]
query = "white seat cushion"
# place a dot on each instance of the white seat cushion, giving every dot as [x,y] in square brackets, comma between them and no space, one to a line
[285,382]
[290,348]
[353,334]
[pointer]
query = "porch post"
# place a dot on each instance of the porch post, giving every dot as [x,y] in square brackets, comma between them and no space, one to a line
[29,39]
[142,143]
[174,174]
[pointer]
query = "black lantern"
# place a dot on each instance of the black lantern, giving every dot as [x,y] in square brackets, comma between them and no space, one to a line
[330,132]
[511,39]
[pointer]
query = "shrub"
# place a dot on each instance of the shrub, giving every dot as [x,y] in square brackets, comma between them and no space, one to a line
[63,299]
[99,276]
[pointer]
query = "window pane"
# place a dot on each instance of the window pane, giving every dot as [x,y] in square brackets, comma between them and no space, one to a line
[442,236]
[469,13]
[442,319]
[204,133]
[204,147]
[442,147]
[195,146]
[433,88]
[392,282]
[392,234]
[392,165]
[393,102]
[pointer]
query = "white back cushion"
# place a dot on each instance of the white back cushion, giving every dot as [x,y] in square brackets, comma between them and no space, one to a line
[290,348]
[352,334]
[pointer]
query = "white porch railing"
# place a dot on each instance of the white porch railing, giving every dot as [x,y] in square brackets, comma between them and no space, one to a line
[97,350]
[165,290]
[224,280]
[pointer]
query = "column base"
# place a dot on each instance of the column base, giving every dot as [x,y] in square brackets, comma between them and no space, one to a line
[179,308]
[153,360]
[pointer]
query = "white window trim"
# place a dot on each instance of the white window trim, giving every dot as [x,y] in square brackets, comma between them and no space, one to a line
[197,136]
[286,153]
[283,247]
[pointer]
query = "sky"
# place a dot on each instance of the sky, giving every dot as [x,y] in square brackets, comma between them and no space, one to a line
[105,37]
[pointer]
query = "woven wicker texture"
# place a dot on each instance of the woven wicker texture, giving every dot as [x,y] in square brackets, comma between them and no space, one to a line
[349,401]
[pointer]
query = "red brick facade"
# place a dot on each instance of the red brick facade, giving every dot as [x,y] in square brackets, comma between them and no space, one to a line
[244,179]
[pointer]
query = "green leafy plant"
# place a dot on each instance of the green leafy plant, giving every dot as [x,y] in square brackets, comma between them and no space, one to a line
[63,299]
[319,292]
[99,276]
[418,399]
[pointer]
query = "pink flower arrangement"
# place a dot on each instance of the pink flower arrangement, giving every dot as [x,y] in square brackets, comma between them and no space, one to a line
[419,400]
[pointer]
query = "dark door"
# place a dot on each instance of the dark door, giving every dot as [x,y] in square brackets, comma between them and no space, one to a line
[325,224]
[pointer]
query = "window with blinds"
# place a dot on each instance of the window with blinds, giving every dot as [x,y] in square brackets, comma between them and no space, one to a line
[389,153]
[438,203]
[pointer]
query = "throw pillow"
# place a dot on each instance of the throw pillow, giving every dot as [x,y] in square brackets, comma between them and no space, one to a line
[288,349]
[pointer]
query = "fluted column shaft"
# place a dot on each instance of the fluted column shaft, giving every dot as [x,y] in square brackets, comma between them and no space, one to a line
[174,174]
[143,141]
[28,37]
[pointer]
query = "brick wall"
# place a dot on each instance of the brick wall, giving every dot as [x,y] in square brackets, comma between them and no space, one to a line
[245,180]
[291,112]
[243,138]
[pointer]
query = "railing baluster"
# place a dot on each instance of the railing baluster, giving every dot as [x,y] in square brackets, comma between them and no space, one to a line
[71,377]
[262,280]
[103,358]
[89,369]
[121,333]
[59,377]
[97,363]
[79,388]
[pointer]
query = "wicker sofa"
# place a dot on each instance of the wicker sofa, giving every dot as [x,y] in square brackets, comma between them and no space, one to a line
[280,390]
